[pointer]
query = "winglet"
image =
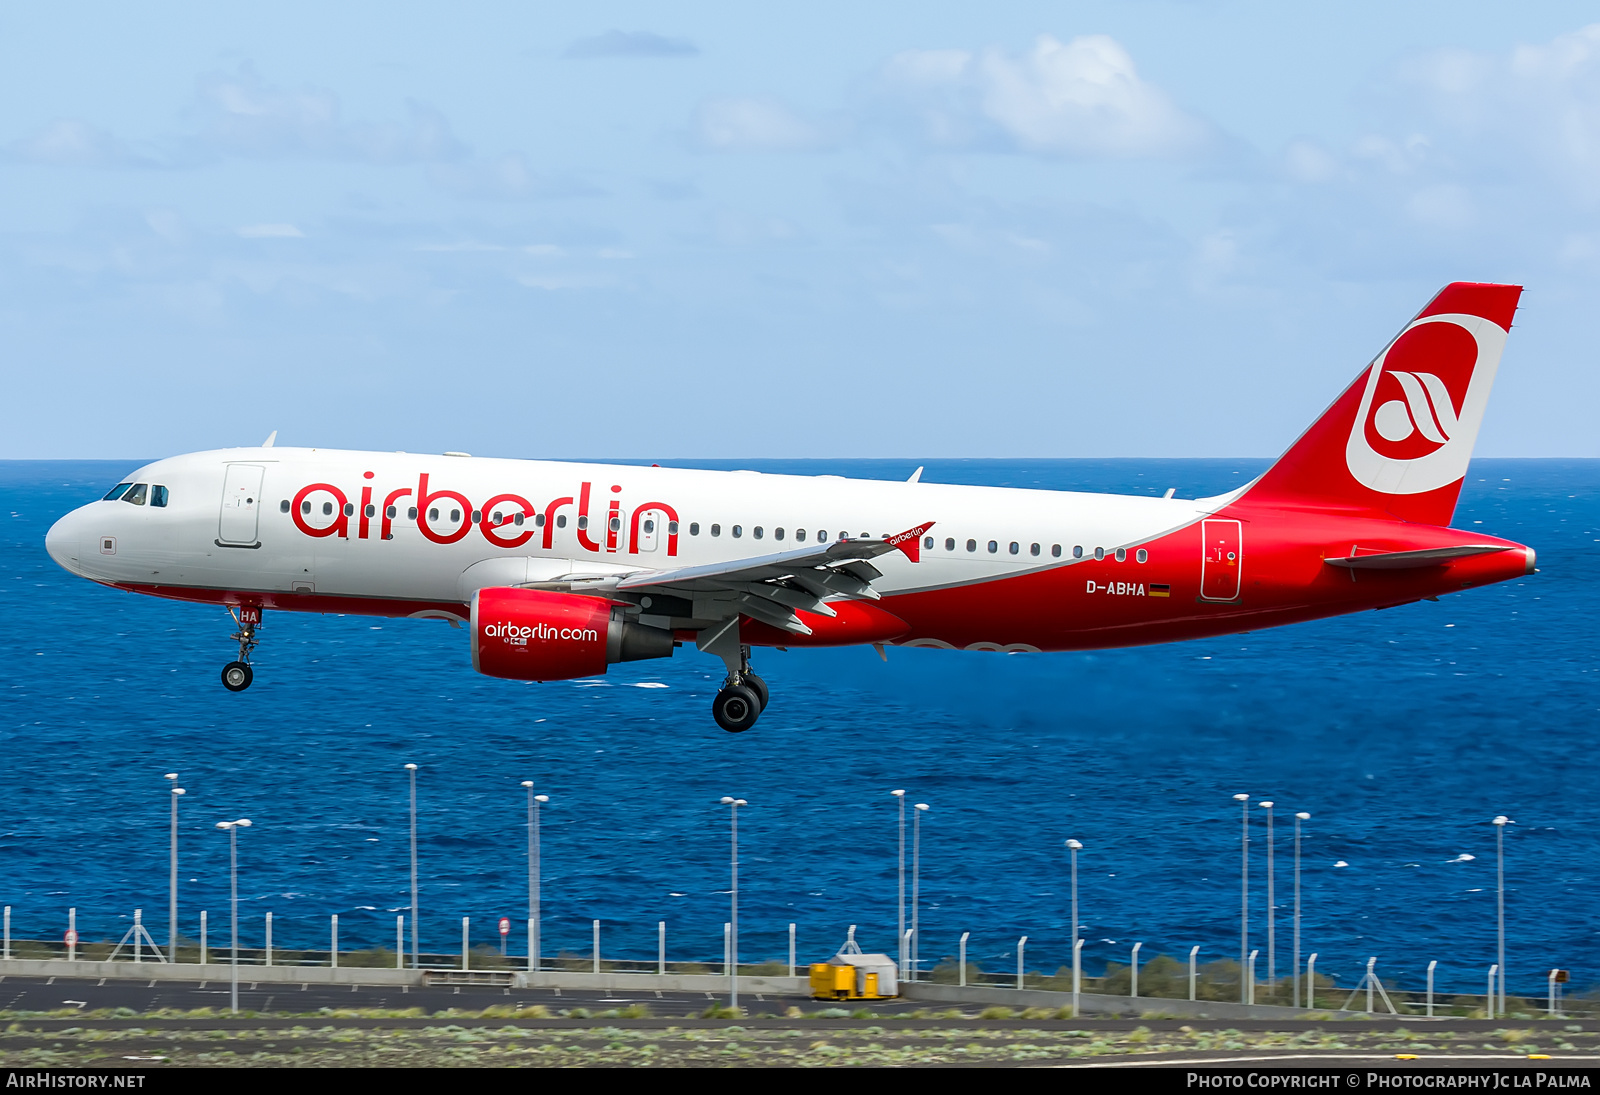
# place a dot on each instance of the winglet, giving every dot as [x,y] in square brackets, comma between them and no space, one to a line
[271,437]
[910,541]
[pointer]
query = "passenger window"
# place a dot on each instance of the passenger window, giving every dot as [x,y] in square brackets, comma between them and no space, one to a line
[283,506]
[1055,550]
[561,521]
[993,547]
[822,536]
[1034,550]
[583,521]
[800,535]
[1077,551]
[538,520]
[1015,547]
[672,528]
[411,513]
[116,492]
[738,531]
[477,516]
[433,513]
[757,532]
[136,495]
[777,534]
[649,527]
[694,528]
[327,509]
[927,543]
[616,524]
[1099,553]
[950,544]
[305,507]
[972,545]
[158,496]
[1142,556]
[372,510]
[1122,555]
[517,518]
[716,530]
[455,515]
[391,513]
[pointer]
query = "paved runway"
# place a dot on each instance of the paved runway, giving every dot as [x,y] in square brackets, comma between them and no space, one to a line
[88,994]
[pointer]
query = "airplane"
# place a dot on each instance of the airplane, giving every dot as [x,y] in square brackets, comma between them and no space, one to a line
[563,569]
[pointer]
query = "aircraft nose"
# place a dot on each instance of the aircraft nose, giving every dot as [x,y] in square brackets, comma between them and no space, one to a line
[64,541]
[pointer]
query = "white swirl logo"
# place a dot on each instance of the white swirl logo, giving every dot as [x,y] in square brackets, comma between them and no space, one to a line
[1423,403]
[1426,410]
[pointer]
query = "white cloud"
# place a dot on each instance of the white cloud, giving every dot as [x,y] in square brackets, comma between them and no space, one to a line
[1445,205]
[636,43]
[508,178]
[1081,98]
[1534,106]
[1308,161]
[69,142]
[270,231]
[242,115]
[731,124]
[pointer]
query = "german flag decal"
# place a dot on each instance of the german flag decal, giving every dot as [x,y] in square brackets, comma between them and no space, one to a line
[1159,590]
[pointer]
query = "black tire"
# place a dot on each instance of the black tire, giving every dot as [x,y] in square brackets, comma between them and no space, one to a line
[758,686]
[236,676]
[736,708]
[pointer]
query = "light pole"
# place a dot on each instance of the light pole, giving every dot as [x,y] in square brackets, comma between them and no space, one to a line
[1500,823]
[534,802]
[733,805]
[900,924]
[411,770]
[1272,909]
[233,828]
[172,882]
[916,883]
[1298,818]
[1244,895]
[1073,846]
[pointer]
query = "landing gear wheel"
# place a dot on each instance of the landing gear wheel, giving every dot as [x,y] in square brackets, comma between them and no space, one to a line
[736,708]
[236,676]
[758,686]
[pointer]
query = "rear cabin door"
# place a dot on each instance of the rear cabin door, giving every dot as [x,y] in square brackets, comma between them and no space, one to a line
[1222,560]
[241,505]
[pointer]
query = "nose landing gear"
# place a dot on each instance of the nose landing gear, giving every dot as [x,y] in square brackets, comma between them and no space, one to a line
[742,698]
[237,675]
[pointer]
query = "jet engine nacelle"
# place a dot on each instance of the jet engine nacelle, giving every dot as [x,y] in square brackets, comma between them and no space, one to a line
[534,635]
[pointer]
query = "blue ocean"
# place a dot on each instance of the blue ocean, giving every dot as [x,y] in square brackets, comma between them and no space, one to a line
[1401,732]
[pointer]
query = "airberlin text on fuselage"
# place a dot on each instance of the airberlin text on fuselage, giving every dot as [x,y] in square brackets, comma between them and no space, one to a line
[497,518]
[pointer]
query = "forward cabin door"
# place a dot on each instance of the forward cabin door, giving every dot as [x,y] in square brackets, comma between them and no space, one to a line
[241,506]
[1222,559]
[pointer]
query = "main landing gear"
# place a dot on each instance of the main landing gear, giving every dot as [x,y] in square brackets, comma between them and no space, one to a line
[237,675]
[742,699]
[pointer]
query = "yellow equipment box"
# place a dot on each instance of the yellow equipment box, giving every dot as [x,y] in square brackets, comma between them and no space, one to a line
[854,976]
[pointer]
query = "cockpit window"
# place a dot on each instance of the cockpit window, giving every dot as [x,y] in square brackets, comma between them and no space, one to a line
[116,492]
[158,496]
[136,494]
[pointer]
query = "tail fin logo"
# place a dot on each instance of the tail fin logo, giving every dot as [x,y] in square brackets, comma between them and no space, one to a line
[1423,403]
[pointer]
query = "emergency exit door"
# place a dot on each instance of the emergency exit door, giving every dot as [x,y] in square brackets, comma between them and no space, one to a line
[1221,560]
[241,506]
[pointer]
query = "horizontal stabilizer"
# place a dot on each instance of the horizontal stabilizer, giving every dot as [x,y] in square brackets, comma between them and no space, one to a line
[1401,560]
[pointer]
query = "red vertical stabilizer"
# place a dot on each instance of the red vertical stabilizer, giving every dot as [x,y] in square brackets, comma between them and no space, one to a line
[1397,442]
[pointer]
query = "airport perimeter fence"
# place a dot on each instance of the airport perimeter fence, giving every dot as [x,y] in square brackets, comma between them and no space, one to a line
[1158,978]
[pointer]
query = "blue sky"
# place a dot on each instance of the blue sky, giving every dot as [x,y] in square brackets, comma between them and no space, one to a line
[1129,229]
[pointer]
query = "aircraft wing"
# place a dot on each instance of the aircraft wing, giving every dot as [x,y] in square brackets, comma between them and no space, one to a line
[770,588]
